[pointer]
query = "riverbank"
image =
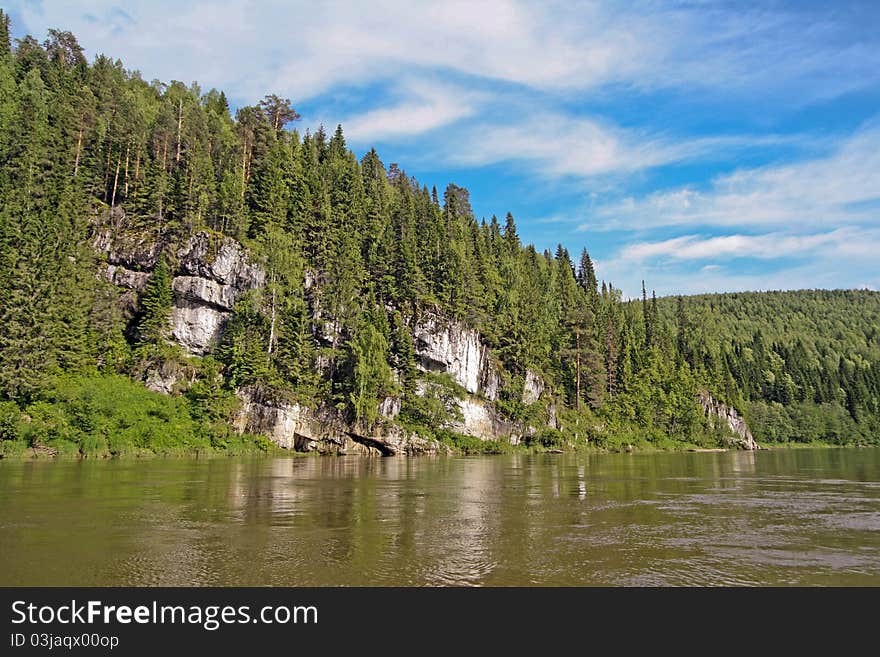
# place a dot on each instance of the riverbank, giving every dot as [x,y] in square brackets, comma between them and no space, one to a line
[258,446]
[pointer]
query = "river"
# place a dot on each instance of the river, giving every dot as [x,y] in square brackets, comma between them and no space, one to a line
[787,517]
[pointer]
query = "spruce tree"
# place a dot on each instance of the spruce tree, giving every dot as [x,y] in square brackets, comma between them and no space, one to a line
[5,37]
[155,322]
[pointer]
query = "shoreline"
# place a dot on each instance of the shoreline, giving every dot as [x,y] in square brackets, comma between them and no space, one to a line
[48,454]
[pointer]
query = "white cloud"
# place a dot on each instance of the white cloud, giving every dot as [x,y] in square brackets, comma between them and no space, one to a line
[429,106]
[768,246]
[556,145]
[845,257]
[837,189]
[303,48]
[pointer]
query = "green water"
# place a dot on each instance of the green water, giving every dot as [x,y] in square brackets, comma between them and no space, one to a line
[805,517]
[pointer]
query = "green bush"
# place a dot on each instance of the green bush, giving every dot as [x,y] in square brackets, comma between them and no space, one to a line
[471,445]
[547,437]
[10,417]
[111,415]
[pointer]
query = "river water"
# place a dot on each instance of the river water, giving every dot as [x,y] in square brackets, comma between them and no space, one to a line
[788,517]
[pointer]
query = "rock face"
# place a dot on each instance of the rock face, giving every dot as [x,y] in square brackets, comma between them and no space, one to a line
[289,425]
[482,421]
[215,273]
[212,274]
[730,418]
[122,277]
[293,426]
[534,387]
[136,250]
[443,346]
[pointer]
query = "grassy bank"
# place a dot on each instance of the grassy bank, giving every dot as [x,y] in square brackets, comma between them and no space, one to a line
[113,416]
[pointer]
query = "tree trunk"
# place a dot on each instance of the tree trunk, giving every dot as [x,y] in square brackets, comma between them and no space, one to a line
[127,151]
[179,126]
[115,182]
[272,324]
[578,367]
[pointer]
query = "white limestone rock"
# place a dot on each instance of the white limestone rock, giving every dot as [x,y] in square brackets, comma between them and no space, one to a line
[730,418]
[534,387]
[443,346]
[195,326]
[128,278]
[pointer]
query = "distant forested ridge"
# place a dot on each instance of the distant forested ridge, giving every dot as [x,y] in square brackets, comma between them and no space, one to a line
[354,254]
[803,365]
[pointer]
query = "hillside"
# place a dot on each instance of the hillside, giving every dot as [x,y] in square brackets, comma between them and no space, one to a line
[263,281]
[801,363]
[827,322]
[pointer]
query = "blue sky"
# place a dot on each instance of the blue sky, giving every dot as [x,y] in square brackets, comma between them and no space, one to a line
[700,145]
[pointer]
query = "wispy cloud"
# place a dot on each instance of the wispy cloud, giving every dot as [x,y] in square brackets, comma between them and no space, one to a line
[768,246]
[303,48]
[846,257]
[837,189]
[426,107]
[554,145]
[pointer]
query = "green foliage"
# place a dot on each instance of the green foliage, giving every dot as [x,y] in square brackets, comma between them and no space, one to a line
[548,438]
[802,366]
[156,306]
[473,446]
[437,406]
[371,372]
[112,415]
[245,342]
[9,421]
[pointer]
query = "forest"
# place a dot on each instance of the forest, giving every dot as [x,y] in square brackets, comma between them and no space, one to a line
[82,143]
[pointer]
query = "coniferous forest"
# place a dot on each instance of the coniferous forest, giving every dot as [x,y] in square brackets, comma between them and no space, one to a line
[361,247]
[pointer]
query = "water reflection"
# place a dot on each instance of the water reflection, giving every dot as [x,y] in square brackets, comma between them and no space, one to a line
[797,517]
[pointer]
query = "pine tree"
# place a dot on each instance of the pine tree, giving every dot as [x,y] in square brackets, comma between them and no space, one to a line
[683,333]
[270,195]
[32,241]
[404,353]
[243,347]
[610,358]
[586,275]
[648,319]
[5,40]
[278,112]
[155,322]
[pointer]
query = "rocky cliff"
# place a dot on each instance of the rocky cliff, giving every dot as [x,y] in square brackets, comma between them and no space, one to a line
[211,273]
[444,346]
[728,417]
[323,430]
